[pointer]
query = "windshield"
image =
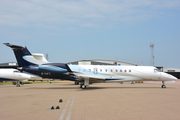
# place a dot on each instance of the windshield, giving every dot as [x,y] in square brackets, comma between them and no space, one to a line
[156,70]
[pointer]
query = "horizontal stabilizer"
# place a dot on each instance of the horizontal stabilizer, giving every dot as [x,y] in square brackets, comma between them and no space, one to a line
[14,46]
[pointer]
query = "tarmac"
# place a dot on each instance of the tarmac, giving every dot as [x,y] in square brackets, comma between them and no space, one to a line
[102,101]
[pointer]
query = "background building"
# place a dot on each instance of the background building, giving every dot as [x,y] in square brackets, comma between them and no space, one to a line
[9,65]
[101,62]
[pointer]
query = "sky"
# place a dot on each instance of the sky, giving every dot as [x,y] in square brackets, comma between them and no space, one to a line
[71,30]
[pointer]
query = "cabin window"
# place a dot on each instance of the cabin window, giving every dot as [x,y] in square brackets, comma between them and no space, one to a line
[111,70]
[100,70]
[129,70]
[116,70]
[106,70]
[125,70]
[120,70]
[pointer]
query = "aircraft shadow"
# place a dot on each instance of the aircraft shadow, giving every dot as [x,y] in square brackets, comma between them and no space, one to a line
[96,88]
[91,88]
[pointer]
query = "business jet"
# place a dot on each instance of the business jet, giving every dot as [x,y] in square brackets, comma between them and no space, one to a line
[13,75]
[87,74]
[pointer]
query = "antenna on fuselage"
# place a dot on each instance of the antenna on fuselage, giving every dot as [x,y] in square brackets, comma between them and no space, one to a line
[152,55]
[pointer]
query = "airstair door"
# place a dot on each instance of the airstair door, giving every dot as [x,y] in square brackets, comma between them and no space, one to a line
[95,70]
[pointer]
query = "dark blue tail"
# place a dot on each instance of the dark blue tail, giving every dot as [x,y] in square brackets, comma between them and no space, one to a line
[19,52]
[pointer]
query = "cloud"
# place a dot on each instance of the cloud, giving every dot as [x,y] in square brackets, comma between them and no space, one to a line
[83,13]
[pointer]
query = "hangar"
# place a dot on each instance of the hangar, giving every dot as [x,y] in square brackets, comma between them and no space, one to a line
[9,65]
[101,62]
[80,62]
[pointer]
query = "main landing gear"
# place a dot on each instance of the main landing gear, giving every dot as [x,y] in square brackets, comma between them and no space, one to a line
[84,86]
[163,85]
[18,83]
[76,82]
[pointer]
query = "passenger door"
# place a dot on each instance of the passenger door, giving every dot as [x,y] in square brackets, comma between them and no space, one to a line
[95,70]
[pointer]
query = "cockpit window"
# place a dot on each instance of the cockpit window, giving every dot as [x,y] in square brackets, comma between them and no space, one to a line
[156,70]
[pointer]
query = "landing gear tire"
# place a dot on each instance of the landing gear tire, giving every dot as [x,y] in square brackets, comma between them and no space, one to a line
[14,83]
[163,86]
[76,83]
[17,85]
[21,83]
[83,86]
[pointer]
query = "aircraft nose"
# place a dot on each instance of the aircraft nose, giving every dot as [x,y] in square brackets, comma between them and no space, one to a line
[172,77]
[168,77]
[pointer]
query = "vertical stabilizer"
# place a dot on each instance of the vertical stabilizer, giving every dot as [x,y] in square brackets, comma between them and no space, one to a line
[20,52]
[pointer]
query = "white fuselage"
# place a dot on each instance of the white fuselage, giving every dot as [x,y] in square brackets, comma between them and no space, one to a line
[120,73]
[13,75]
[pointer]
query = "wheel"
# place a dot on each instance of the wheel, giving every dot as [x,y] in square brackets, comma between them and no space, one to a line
[163,86]
[83,86]
[77,82]
[21,83]
[14,83]
[17,85]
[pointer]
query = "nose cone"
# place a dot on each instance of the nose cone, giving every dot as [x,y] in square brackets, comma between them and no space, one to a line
[171,77]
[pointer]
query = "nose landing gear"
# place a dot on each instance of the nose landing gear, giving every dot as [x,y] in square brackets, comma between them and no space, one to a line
[163,85]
